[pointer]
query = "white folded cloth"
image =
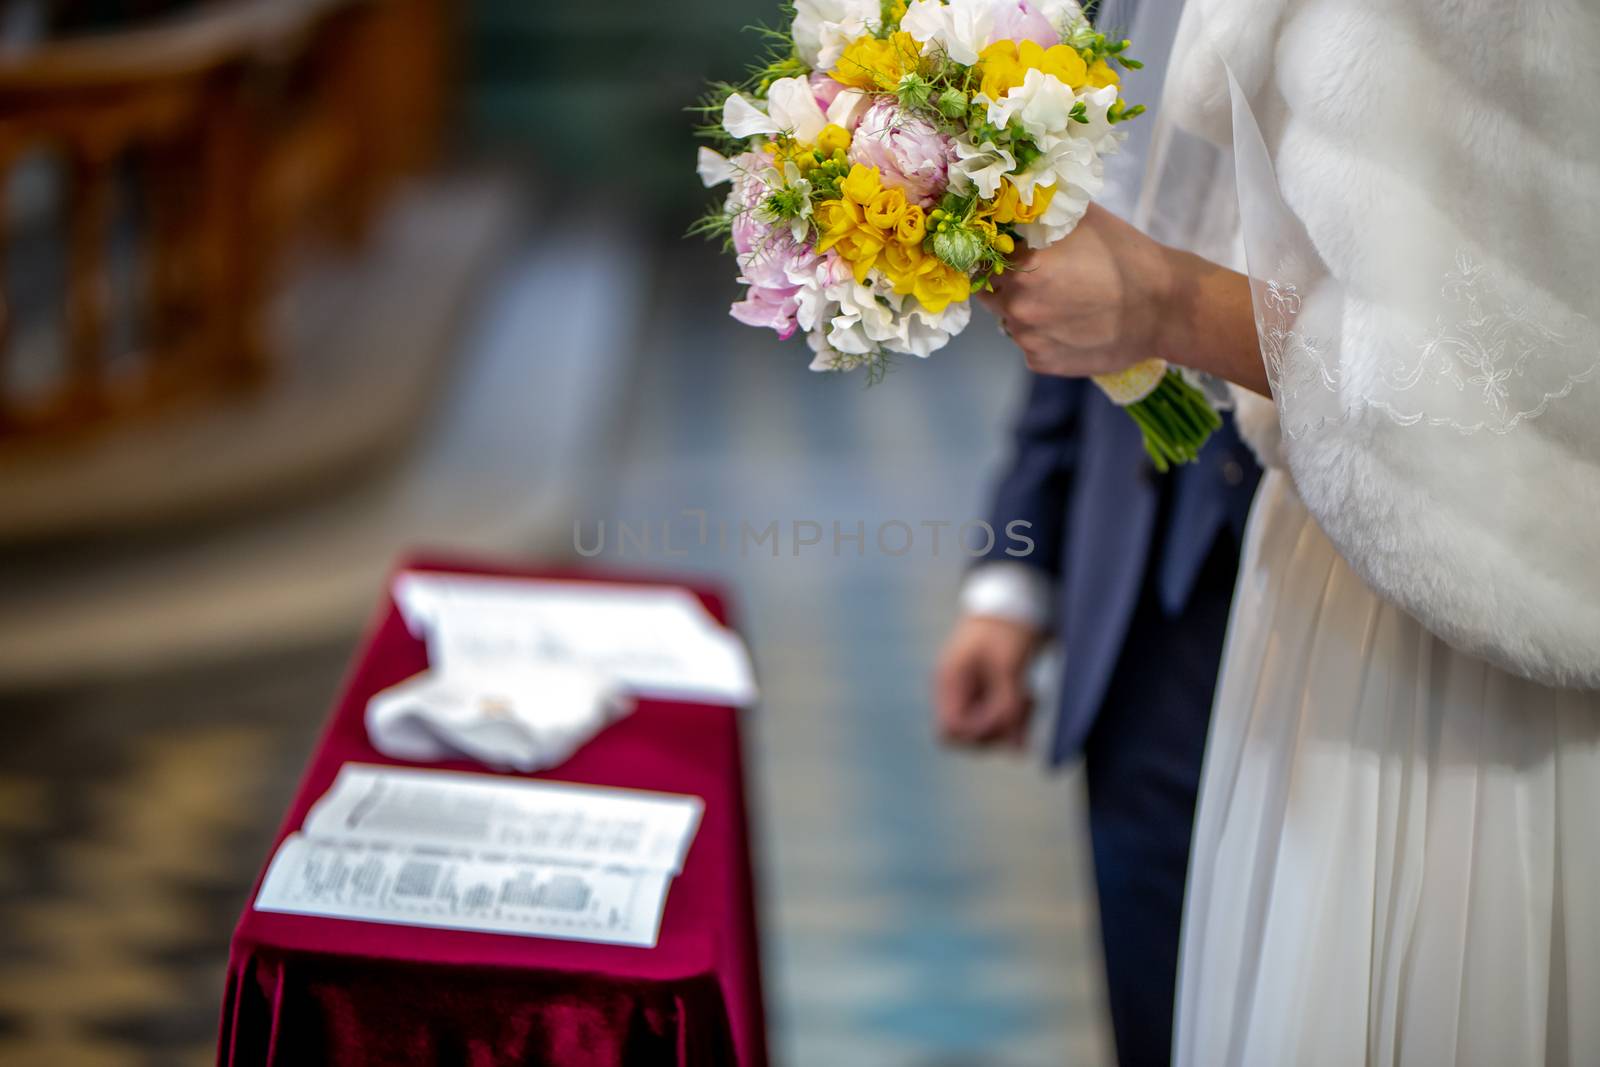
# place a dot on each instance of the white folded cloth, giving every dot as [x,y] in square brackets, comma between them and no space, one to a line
[525,717]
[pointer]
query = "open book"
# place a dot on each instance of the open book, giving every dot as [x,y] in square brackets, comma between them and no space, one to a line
[475,852]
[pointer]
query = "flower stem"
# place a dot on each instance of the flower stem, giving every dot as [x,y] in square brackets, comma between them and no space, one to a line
[1176,421]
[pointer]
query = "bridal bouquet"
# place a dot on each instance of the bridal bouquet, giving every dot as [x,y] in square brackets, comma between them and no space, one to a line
[886,160]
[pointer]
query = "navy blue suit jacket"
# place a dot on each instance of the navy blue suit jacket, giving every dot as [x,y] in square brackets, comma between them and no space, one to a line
[1079,476]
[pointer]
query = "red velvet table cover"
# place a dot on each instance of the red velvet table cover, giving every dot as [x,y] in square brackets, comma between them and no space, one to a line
[304,990]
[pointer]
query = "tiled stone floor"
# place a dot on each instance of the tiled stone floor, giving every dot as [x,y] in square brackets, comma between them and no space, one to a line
[924,908]
[132,819]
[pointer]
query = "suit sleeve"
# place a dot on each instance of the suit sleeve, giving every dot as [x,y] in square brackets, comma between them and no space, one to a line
[1029,503]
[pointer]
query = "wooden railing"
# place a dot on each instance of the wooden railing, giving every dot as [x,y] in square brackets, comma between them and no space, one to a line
[206,147]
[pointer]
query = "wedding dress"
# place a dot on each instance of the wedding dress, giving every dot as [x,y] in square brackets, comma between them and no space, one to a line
[1397,848]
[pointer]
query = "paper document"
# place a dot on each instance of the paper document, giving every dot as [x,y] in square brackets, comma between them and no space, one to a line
[470,852]
[656,640]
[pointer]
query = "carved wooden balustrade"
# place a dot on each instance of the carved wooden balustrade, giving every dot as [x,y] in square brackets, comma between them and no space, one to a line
[204,147]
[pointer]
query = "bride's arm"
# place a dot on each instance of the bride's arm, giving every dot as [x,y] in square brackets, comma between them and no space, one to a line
[1210,323]
[1107,297]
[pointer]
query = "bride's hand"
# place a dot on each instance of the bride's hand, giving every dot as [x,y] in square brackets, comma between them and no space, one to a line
[1106,297]
[1092,303]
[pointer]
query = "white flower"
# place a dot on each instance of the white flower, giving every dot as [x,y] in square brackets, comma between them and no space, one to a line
[1075,171]
[741,118]
[797,191]
[961,28]
[714,168]
[924,333]
[794,106]
[1061,160]
[823,358]
[860,323]
[980,165]
[846,322]
[1069,158]
[1098,130]
[815,306]
[1042,105]
[822,28]
[1060,218]
[791,108]
[848,107]
[1064,15]
[842,317]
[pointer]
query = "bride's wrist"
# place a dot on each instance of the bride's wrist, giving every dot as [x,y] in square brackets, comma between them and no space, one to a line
[1206,321]
[1176,306]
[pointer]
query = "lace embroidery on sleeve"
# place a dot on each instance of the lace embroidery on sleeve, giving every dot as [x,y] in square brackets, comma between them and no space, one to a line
[1487,362]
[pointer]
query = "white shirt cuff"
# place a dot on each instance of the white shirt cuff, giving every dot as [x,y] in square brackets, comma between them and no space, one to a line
[1013,591]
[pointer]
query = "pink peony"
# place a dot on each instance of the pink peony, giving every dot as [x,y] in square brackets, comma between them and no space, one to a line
[1018,20]
[908,152]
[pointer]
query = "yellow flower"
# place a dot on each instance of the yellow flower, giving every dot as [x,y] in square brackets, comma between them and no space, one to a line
[1101,75]
[1004,65]
[900,262]
[870,226]
[938,287]
[1003,243]
[836,219]
[878,65]
[1003,207]
[934,284]
[860,248]
[785,149]
[1001,70]
[845,229]
[887,209]
[1042,195]
[833,138]
[1007,206]
[913,226]
[861,185]
[1057,60]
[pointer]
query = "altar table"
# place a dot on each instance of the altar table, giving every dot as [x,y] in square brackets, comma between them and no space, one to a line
[304,990]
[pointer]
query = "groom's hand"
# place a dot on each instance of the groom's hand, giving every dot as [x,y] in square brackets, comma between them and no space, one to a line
[981,688]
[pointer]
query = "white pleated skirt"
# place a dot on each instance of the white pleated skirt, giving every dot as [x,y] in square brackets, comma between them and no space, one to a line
[1397,848]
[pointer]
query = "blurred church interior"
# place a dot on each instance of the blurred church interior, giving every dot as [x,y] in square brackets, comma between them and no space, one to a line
[289,288]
